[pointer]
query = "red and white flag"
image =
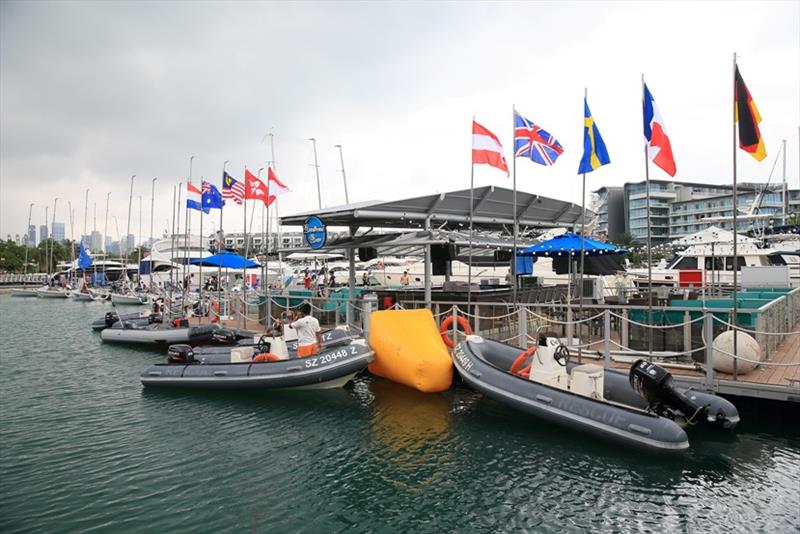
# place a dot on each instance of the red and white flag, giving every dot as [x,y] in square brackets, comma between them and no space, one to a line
[255,189]
[276,187]
[486,148]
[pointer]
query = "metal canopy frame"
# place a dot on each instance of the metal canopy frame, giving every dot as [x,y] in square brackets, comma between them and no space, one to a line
[450,210]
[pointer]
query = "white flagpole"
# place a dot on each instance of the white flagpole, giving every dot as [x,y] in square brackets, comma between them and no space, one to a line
[471,206]
[514,205]
[735,229]
[583,231]
[649,244]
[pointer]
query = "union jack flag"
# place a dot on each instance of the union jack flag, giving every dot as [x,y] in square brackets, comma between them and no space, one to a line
[530,141]
[232,189]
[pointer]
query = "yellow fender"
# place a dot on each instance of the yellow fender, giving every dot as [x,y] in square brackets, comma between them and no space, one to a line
[409,350]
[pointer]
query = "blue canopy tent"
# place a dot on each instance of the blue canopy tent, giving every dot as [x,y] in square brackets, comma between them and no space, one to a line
[226,260]
[568,245]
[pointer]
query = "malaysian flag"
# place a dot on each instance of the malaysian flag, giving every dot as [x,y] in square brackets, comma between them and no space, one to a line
[530,141]
[232,189]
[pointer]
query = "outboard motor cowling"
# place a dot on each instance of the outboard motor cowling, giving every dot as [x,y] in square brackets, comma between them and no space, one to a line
[111,318]
[224,336]
[180,354]
[655,385]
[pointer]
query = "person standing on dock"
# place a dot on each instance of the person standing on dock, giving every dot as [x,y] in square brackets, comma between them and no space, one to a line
[309,339]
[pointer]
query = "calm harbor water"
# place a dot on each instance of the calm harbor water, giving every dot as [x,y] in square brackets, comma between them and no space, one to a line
[83,447]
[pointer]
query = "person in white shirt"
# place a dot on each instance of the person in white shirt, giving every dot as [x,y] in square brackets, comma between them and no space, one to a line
[309,339]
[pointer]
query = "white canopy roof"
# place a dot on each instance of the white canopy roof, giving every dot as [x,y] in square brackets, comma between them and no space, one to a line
[712,234]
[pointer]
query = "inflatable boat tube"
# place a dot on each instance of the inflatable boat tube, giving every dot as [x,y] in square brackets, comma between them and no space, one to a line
[483,364]
[330,369]
[158,333]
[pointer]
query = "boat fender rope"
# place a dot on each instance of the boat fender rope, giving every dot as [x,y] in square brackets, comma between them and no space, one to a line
[445,327]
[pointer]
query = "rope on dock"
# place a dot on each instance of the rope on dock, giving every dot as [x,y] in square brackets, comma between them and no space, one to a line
[474,316]
[545,318]
[658,327]
[666,354]
[737,327]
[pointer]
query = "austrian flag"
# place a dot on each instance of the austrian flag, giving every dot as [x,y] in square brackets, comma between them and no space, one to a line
[486,148]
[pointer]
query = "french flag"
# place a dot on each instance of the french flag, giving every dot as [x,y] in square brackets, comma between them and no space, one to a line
[659,149]
[486,148]
[194,198]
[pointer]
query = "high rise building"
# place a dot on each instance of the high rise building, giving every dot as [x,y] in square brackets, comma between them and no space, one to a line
[130,243]
[680,208]
[96,241]
[32,235]
[107,242]
[43,233]
[58,231]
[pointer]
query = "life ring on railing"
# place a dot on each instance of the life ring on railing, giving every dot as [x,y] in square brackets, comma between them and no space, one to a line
[213,310]
[266,357]
[447,323]
[525,372]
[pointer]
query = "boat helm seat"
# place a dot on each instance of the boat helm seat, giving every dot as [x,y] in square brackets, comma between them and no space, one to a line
[587,380]
[242,355]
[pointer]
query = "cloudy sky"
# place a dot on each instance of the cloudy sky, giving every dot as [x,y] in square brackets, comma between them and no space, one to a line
[91,93]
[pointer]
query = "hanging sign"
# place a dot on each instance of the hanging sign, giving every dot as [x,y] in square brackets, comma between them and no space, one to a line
[315,232]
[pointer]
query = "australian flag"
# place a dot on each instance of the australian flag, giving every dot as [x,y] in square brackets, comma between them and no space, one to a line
[211,197]
[530,141]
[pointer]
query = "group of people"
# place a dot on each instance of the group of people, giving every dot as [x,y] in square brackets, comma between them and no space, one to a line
[320,283]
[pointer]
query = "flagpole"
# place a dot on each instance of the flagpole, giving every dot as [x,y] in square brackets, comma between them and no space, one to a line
[186,272]
[221,241]
[583,230]
[277,222]
[105,233]
[514,206]
[316,169]
[202,245]
[471,205]
[344,176]
[649,251]
[735,229]
[172,251]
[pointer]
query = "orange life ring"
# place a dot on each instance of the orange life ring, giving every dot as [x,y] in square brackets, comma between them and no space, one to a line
[266,357]
[525,372]
[447,323]
[214,307]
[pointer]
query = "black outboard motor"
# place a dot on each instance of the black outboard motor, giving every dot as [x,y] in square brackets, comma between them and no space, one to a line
[111,318]
[224,336]
[181,354]
[655,385]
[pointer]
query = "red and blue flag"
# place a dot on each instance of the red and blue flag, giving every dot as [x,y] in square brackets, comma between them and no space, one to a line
[531,141]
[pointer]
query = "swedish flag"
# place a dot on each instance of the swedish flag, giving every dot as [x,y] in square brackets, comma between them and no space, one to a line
[595,154]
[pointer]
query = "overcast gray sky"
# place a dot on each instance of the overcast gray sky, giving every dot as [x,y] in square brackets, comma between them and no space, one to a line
[91,93]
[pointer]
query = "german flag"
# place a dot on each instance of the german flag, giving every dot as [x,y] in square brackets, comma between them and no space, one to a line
[748,118]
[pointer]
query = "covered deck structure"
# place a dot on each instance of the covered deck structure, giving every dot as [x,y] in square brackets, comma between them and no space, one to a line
[443,218]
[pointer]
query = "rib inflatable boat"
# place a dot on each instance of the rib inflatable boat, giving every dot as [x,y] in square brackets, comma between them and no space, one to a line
[641,409]
[108,320]
[226,340]
[154,333]
[245,368]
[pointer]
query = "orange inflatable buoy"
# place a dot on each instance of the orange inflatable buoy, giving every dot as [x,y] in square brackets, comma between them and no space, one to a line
[445,326]
[266,357]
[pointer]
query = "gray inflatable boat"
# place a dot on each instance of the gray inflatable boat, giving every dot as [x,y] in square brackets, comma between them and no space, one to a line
[331,368]
[226,340]
[642,409]
[108,320]
[153,333]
